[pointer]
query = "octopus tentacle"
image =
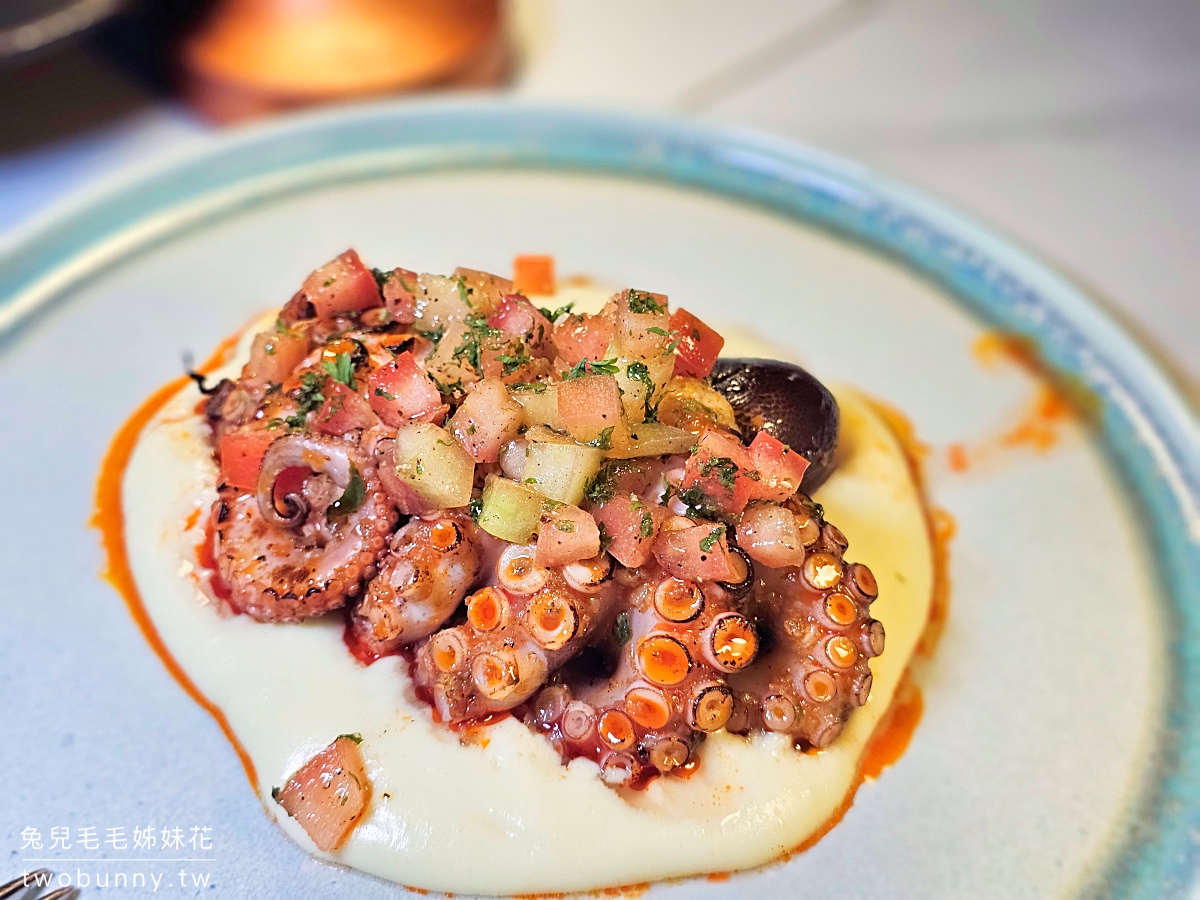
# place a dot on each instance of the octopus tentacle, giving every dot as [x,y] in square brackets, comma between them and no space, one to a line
[287,572]
[428,568]
[816,672]
[682,641]
[518,631]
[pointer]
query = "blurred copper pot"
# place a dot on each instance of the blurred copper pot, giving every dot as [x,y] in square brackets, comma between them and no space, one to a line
[248,57]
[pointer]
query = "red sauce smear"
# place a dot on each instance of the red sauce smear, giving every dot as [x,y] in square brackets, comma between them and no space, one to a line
[1039,425]
[109,519]
[886,746]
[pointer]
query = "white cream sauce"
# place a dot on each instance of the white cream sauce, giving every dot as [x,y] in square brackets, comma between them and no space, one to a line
[504,815]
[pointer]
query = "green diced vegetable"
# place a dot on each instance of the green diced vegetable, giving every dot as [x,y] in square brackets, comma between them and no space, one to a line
[435,465]
[559,467]
[510,511]
[539,403]
[654,439]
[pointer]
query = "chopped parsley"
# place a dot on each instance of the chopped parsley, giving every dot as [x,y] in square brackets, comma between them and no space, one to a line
[565,526]
[605,538]
[622,631]
[643,302]
[591,367]
[475,507]
[602,487]
[308,399]
[433,335]
[352,498]
[341,370]
[553,315]
[381,277]
[470,351]
[513,361]
[380,392]
[667,334]
[463,291]
[710,540]
[638,371]
[725,468]
[604,441]
[355,736]
[647,528]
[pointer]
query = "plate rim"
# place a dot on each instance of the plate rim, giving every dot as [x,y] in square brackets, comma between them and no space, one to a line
[1150,433]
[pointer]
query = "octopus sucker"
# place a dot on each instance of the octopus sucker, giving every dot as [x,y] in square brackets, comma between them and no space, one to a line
[398,446]
[297,567]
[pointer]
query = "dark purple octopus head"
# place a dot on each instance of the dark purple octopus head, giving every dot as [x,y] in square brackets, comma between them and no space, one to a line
[787,403]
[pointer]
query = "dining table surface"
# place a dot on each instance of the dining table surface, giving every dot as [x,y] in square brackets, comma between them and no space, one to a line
[1071,126]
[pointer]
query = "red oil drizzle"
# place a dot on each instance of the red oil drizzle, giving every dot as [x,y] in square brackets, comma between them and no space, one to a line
[109,518]
[1040,423]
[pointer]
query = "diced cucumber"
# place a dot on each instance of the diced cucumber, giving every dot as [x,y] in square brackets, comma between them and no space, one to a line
[558,467]
[510,511]
[654,439]
[434,465]
[539,403]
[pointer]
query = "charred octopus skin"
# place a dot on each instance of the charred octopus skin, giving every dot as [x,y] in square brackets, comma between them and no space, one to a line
[503,493]
[787,403]
[303,550]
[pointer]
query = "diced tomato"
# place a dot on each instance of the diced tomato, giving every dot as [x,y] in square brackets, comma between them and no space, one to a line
[274,356]
[241,454]
[698,345]
[401,392]
[533,274]
[399,295]
[517,316]
[328,795]
[631,526]
[487,420]
[341,286]
[565,535]
[780,468]
[589,405]
[721,467]
[583,337]
[344,410]
[699,552]
[642,324]
[484,290]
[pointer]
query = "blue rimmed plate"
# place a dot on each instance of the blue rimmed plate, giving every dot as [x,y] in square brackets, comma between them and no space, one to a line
[1059,749]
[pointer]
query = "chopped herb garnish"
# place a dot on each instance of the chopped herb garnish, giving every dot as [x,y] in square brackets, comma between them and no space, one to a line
[605,538]
[341,369]
[471,349]
[564,525]
[308,399]
[726,470]
[433,335]
[591,367]
[475,507]
[710,540]
[553,315]
[275,792]
[642,302]
[513,361]
[355,736]
[380,392]
[352,498]
[604,441]
[272,424]
[638,371]
[463,291]
[622,631]
[381,277]
[647,529]
[602,486]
